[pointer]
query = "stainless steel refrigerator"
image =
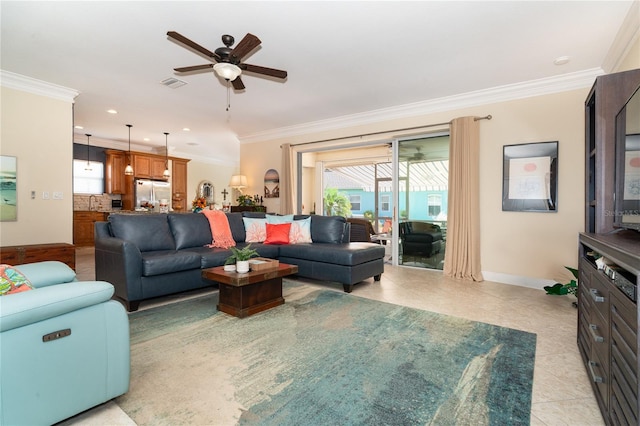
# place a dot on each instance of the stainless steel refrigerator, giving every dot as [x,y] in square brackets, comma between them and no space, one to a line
[150,192]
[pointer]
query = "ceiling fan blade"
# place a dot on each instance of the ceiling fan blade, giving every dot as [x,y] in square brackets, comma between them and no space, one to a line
[264,70]
[192,44]
[246,45]
[194,68]
[238,84]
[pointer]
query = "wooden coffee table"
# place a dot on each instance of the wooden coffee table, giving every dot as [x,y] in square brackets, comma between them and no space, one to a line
[246,294]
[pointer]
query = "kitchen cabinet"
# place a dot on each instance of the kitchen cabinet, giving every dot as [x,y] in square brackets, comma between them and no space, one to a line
[179,185]
[148,166]
[116,162]
[84,224]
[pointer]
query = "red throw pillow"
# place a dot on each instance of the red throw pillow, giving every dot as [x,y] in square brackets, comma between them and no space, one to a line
[278,233]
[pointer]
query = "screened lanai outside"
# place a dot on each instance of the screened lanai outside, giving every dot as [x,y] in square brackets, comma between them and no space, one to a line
[420,207]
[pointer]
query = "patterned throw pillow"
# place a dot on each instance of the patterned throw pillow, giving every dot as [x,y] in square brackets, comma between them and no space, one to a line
[13,281]
[256,229]
[300,231]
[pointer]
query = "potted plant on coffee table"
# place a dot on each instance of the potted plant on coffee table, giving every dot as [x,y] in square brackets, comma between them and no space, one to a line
[241,258]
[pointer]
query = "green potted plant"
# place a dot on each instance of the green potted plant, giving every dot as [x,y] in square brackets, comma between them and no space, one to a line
[569,288]
[241,258]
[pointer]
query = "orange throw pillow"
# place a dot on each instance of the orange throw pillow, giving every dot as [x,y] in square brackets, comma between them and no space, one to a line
[278,234]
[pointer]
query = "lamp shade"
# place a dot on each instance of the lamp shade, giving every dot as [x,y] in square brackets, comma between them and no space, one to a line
[227,71]
[238,181]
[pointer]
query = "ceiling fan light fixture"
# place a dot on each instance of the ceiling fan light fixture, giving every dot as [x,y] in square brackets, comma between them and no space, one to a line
[227,71]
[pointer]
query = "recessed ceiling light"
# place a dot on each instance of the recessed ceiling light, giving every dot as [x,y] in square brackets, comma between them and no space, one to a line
[78,127]
[146,139]
[193,143]
[186,129]
[561,60]
[112,111]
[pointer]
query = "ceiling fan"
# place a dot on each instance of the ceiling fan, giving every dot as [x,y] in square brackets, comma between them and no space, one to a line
[227,60]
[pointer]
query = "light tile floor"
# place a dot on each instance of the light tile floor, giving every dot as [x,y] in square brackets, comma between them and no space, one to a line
[562,394]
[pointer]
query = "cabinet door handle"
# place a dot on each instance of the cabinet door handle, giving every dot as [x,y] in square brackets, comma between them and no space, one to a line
[596,337]
[595,296]
[594,376]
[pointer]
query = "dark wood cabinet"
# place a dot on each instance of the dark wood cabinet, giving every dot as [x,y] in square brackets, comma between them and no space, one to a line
[607,96]
[18,255]
[607,296]
[608,322]
[83,226]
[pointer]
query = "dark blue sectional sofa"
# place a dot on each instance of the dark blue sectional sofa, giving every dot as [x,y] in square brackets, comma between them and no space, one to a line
[152,255]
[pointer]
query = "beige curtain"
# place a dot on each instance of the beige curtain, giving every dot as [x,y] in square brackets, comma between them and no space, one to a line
[462,255]
[287,187]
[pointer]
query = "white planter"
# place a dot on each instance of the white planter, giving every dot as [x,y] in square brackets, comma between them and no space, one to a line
[242,266]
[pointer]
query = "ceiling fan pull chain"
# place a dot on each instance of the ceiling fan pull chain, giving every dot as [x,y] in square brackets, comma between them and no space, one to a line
[228,95]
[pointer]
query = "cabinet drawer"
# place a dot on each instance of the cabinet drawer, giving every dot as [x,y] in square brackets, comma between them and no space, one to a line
[599,293]
[599,377]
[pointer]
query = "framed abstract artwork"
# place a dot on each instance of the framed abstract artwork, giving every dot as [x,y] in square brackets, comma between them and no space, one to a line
[8,185]
[530,177]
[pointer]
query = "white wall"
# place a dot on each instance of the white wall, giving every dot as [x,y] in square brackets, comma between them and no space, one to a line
[219,175]
[38,130]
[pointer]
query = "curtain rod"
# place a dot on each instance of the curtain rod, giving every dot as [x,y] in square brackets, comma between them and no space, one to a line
[486,117]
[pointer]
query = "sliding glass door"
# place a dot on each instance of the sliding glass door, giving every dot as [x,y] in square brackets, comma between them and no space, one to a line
[423,170]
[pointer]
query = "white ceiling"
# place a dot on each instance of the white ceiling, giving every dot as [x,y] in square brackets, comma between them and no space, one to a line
[343,58]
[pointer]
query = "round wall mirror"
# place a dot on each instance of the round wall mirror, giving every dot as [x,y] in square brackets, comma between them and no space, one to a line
[205,190]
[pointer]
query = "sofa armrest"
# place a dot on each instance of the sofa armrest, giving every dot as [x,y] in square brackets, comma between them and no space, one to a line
[119,262]
[29,307]
[42,274]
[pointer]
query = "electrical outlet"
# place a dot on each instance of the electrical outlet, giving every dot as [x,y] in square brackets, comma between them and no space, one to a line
[57,195]
[45,195]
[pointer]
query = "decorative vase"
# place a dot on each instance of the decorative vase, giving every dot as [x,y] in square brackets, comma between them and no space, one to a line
[197,210]
[242,266]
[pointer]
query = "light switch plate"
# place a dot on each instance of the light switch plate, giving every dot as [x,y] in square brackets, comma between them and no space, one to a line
[57,195]
[45,195]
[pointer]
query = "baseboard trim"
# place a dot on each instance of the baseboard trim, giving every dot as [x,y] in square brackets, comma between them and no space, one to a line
[499,277]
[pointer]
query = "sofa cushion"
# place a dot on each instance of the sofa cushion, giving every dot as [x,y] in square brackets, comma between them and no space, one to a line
[340,254]
[256,230]
[210,257]
[190,230]
[167,261]
[327,229]
[278,233]
[300,231]
[148,232]
[276,219]
[237,227]
[13,281]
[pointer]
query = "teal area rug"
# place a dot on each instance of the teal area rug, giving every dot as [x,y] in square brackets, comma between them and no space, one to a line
[325,358]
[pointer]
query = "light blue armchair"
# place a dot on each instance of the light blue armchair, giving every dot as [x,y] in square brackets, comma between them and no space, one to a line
[64,347]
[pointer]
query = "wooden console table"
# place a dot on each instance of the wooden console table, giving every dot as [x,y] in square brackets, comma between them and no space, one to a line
[18,255]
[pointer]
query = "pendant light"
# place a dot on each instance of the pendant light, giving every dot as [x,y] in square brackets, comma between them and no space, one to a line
[129,170]
[88,167]
[166,174]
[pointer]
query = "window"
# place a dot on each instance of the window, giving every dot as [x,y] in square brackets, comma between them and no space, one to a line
[434,203]
[355,202]
[88,181]
[385,203]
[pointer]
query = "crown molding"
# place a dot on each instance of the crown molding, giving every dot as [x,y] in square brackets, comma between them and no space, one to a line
[527,89]
[627,35]
[37,87]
